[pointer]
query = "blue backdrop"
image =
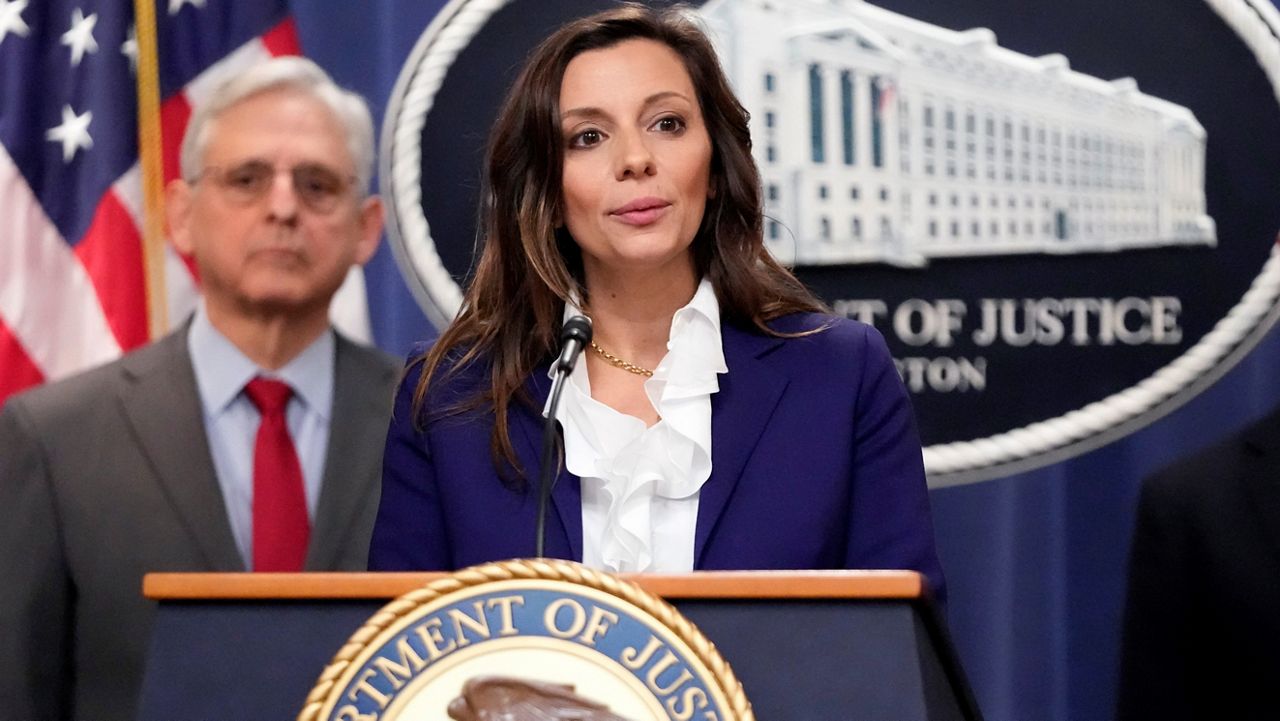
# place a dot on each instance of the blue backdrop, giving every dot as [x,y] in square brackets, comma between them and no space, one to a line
[1035,562]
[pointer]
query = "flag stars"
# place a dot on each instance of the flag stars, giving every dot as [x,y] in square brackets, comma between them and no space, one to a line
[11,19]
[80,37]
[73,133]
[130,48]
[176,5]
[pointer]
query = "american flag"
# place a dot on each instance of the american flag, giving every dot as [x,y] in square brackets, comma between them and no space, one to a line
[72,280]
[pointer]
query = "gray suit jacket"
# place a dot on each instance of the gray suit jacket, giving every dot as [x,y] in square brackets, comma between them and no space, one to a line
[107,476]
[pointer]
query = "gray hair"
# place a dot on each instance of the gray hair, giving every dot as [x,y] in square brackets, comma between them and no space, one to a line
[293,73]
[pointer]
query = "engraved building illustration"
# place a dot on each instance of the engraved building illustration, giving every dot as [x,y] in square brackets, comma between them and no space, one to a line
[881,138]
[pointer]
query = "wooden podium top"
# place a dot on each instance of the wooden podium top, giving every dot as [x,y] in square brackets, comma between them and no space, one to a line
[701,584]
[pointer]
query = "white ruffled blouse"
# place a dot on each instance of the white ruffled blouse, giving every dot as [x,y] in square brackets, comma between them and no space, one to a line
[640,485]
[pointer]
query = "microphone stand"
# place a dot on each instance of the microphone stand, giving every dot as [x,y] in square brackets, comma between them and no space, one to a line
[547,469]
[575,335]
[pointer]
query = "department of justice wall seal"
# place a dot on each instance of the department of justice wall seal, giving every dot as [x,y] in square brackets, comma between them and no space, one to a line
[527,640]
[1061,216]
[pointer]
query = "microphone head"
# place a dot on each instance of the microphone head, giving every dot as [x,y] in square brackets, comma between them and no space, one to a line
[576,328]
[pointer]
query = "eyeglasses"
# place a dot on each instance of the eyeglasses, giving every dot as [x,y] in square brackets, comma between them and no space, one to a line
[319,187]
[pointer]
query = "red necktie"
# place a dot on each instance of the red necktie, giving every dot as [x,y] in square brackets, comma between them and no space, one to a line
[280,525]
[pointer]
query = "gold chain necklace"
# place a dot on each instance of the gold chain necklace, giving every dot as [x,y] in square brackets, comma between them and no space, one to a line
[617,362]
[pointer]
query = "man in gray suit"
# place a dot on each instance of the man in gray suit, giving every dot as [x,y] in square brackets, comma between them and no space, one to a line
[162,461]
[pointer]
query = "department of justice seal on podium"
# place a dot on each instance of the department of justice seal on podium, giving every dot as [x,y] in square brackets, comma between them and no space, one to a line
[527,640]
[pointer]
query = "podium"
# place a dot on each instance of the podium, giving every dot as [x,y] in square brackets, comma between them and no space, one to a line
[821,645]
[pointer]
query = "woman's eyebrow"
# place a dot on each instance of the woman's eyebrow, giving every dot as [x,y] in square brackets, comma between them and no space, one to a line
[590,112]
[584,113]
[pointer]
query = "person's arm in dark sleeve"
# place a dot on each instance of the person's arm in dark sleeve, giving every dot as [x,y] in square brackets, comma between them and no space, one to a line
[35,592]
[891,525]
[1155,679]
[409,533]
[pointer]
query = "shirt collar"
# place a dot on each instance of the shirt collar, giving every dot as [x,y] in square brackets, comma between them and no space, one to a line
[704,303]
[222,370]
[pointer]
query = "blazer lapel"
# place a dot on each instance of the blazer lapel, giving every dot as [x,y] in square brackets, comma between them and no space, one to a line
[162,406]
[361,392]
[566,494]
[740,410]
[1262,483]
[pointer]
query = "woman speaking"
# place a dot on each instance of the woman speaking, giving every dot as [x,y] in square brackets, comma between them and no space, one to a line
[720,419]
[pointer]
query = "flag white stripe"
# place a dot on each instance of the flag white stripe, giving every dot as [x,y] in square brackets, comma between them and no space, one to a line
[128,190]
[180,287]
[349,311]
[46,296]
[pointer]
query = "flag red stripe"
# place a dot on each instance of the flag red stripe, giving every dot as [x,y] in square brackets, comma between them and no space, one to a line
[19,371]
[175,112]
[111,252]
[283,39]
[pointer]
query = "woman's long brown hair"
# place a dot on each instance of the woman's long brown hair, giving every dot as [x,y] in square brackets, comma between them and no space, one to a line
[529,268]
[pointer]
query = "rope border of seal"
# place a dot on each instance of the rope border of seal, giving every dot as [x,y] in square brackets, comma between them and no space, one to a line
[528,570]
[1016,450]
[423,73]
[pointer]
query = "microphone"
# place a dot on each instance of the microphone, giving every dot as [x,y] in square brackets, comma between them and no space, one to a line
[574,336]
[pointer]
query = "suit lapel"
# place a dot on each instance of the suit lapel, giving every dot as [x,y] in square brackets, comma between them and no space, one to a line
[1262,482]
[566,494]
[359,387]
[740,410]
[162,406]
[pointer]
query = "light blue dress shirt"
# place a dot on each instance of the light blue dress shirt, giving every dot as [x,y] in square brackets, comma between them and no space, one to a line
[231,420]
